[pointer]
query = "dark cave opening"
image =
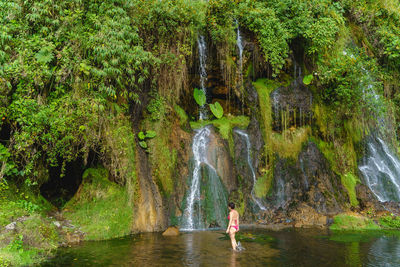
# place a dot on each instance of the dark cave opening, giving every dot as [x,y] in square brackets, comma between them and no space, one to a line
[59,189]
[5,133]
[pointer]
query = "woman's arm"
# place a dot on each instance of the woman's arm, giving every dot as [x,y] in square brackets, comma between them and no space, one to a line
[238,220]
[230,222]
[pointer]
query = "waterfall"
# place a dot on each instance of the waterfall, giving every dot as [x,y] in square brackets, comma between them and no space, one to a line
[245,136]
[380,167]
[207,201]
[240,48]
[381,171]
[296,72]
[201,43]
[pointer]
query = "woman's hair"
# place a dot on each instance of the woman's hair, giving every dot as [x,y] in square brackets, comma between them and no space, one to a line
[231,205]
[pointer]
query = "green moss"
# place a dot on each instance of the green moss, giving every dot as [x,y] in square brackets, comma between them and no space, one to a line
[349,222]
[120,146]
[183,117]
[163,156]
[100,208]
[263,184]
[241,206]
[264,87]
[290,142]
[349,181]
[342,160]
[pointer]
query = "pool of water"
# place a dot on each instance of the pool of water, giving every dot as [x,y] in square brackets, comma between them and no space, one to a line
[262,248]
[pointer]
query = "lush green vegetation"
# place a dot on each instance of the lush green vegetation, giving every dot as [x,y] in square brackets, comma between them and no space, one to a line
[94,81]
[35,236]
[350,222]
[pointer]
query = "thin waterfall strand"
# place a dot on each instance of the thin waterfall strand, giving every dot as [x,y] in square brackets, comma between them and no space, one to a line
[203,71]
[245,136]
[239,44]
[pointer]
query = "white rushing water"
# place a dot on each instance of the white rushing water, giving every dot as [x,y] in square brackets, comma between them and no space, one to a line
[202,47]
[381,171]
[199,148]
[194,216]
[245,136]
[239,44]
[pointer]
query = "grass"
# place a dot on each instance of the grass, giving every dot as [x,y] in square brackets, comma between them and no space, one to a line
[11,257]
[100,208]
[390,222]
[35,238]
[353,222]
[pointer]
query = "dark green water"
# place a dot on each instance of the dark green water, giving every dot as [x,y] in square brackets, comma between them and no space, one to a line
[263,248]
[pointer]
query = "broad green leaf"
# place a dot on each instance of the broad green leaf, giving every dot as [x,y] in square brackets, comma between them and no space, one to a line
[44,55]
[150,134]
[143,144]
[308,79]
[141,136]
[217,110]
[199,96]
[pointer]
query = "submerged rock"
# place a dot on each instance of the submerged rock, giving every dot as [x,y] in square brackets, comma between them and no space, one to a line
[171,231]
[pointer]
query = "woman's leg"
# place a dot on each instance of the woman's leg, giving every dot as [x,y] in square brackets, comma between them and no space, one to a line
[232,232]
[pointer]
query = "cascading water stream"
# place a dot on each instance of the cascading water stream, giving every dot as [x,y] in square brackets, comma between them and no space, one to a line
[381,171]
[199,148]
[194,218]
[202,71]
[239,44]
[380,167]
[245,136]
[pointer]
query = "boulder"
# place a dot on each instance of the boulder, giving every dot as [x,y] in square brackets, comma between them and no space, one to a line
[11,226]
[171,231]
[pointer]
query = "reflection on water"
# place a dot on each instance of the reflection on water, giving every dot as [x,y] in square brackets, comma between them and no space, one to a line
[385,251]
[208,248]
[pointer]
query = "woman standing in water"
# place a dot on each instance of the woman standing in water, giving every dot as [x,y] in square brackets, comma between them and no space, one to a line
[233,225]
